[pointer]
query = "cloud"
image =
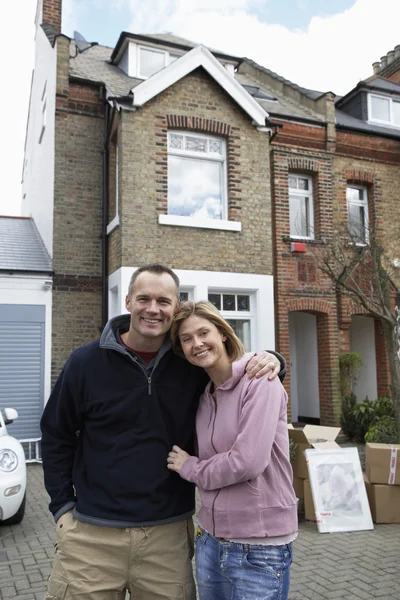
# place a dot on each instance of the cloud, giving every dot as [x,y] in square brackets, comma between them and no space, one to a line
[333,53]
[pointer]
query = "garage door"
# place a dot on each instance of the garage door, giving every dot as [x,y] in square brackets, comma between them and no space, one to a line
[22,366]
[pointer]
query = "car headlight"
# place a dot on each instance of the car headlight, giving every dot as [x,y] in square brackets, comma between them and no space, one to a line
[8,460]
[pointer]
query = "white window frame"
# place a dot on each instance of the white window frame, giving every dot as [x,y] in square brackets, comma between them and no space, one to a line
[167,58]
[189,221]
[303,194]
[115,221]
[239,315]
[372,119]
[364,204]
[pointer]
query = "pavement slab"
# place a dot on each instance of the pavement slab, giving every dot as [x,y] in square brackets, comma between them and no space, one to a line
[330,566]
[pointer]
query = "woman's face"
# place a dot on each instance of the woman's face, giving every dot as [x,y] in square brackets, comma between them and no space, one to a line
[202,343]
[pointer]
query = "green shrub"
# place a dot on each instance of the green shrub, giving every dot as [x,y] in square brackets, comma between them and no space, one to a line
[383,431]
[292,449]
[350,364]
[347,420]
[364,416]
[384,407]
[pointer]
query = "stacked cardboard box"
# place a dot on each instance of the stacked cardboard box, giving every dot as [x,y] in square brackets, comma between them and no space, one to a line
[382,480]
[308,436]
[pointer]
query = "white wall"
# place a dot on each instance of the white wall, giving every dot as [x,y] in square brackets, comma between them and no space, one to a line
[303,335]
[362,340]
[31,290]
[199,282]
[38,173]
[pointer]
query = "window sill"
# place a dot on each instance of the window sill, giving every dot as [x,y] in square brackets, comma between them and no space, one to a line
[306,240]
[178,221]
[113,225]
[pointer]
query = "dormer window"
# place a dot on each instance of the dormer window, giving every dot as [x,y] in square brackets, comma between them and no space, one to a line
[384,110]
[151,60]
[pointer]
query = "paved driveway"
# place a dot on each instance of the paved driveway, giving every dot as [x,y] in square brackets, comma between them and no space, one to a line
[349,566]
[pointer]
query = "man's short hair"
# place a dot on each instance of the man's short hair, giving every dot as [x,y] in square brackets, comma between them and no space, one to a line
[156,269]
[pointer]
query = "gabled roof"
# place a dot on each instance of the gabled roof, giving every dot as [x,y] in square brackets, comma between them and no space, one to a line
[199,57]
[163,39]
[21,247]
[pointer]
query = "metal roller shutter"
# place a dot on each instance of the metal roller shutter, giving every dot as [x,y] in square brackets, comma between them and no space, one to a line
[22,366]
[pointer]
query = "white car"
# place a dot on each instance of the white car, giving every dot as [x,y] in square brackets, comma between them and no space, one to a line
[12,472]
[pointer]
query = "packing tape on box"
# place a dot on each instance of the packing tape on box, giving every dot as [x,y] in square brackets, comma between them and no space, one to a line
[393,465]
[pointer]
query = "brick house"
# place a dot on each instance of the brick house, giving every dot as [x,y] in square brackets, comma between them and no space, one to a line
[151,151]
[340,164]
[158,150]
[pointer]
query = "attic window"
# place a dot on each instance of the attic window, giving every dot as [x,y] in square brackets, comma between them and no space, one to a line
[151,60]
[384,110]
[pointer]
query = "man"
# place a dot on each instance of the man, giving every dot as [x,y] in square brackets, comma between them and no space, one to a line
[124,521]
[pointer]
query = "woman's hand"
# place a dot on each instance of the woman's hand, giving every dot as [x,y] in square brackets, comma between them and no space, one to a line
[176,459]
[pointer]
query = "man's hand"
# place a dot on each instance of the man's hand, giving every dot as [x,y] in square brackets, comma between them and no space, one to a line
[176,459]
[263,363]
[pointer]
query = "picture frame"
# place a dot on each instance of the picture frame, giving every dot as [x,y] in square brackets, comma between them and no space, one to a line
[338,490]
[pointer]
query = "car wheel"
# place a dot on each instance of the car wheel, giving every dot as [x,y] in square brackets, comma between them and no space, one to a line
[19,515]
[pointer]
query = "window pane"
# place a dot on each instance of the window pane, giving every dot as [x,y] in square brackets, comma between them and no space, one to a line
[357,222]
[229,302]
[242,329]
[292,181]
[299,217]
[215,299]
[175,140]
[216,146]
[195,143]
[173,58]
[396,113]
[243,302]
[355,195]
[184,296]
[380,108]
[150,62]
[303,183]
[194,187]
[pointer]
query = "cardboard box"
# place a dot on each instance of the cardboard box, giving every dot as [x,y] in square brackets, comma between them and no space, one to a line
[310,436]
[309,511]
[384,502]
[382,463]
[298,485]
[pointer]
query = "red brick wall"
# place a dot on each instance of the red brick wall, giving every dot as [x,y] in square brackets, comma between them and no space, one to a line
[52,13]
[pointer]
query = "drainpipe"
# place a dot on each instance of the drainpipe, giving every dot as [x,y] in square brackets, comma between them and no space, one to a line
[275,126]
[104,240]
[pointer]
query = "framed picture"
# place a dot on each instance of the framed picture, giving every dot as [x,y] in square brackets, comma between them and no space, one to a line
[338,490]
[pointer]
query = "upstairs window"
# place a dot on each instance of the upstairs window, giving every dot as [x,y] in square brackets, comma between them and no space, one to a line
[384,110]
[357,207]
[150,61]
[197,176]
[301,210]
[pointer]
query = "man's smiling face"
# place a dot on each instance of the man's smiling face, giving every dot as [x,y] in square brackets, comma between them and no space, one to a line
[152,305]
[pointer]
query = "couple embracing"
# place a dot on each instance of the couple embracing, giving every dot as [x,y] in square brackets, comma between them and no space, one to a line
[120,461]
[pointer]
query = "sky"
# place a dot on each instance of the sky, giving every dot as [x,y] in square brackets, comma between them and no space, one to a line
[326,45]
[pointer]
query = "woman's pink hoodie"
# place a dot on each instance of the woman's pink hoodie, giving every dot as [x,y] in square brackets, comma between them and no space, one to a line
[243,471]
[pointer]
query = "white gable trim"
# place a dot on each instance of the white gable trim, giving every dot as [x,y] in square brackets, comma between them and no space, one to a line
[199,57]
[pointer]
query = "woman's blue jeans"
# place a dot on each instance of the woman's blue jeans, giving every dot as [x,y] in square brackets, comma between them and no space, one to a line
[230,571]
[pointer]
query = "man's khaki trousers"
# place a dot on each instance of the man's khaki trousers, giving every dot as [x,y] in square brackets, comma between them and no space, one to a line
[101,563]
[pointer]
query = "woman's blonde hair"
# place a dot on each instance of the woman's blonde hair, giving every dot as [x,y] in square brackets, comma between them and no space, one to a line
[206,310]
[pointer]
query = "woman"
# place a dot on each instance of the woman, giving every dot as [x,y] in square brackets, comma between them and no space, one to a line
[248,517]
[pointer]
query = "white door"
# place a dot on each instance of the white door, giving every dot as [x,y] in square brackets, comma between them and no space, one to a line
[362,340]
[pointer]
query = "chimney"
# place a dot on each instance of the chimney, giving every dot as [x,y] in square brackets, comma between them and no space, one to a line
[397,51]
[383,62]
[376,67]
[52,14]
[390,57]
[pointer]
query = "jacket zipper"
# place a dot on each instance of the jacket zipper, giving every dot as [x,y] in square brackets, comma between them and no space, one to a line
[134,359]
[214,397]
